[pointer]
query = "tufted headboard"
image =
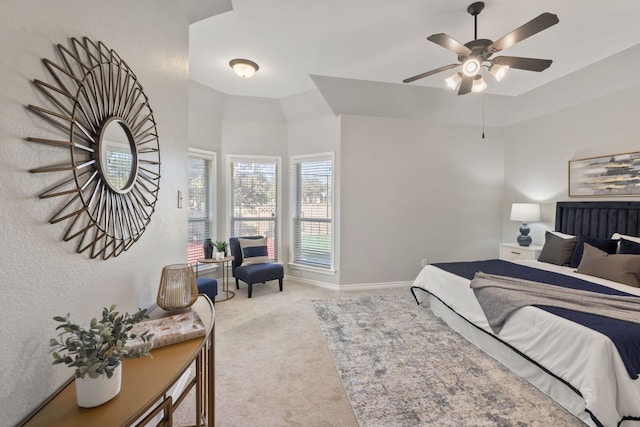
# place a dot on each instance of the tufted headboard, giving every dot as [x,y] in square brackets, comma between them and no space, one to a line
[598,219]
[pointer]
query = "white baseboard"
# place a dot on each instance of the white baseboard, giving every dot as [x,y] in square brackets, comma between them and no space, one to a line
[351,287]
[381,285]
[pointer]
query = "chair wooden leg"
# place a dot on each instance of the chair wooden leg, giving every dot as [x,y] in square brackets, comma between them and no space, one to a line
[250,289]
[237,284]
[280,282]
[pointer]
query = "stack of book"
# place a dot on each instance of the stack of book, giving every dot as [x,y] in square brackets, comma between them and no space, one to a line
[168,330]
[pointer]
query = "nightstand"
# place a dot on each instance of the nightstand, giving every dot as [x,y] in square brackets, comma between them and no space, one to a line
[512,251]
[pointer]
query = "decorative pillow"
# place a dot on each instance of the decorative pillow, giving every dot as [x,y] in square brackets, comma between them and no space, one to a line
[629,247]
[619,268]
[563,235]
[618,236]
[610,246]
[254,251]
[557,250]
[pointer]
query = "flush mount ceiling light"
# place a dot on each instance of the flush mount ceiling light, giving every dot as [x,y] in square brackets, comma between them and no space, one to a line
[243,67]
[477,53]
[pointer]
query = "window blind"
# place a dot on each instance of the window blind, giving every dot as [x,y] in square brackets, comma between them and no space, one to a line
[199,203]
[312,211]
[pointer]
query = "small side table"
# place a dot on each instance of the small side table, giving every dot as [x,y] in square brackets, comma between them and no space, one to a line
[224,262]
[513,251]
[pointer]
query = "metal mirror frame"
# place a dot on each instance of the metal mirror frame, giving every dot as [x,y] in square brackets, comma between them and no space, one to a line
[93,87]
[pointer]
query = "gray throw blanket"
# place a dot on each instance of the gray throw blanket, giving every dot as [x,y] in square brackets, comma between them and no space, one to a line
[500,296]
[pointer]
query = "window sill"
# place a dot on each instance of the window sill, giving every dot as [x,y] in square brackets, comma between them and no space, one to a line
[204,268]
[302,267]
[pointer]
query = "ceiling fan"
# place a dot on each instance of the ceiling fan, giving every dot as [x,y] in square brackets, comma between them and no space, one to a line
[475,54]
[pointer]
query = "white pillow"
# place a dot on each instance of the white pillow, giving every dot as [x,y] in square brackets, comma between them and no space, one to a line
[618,236]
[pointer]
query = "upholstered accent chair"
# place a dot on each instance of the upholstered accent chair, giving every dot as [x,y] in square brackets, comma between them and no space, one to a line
[250,263]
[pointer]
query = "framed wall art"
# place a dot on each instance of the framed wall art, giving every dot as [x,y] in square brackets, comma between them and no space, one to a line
[606,176]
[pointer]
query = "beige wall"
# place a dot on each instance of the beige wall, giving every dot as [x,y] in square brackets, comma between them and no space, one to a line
[538,152]
[414,190]
[40,275]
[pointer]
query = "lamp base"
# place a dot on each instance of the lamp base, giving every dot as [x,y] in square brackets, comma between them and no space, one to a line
[524,239]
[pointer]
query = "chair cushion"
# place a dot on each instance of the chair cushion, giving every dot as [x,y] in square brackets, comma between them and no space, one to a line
[258,273]
[254,251]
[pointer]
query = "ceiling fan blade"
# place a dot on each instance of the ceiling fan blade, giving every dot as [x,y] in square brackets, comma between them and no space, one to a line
[449,43]
[529,64]
[428,73]
[537,24]
[465,85]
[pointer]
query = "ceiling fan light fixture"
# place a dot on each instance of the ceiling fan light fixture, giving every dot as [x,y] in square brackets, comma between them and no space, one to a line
[453,81]
[498,71]
[478,84]
[471,67]
[244,68]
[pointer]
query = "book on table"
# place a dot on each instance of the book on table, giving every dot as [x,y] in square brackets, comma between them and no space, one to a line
[168,330]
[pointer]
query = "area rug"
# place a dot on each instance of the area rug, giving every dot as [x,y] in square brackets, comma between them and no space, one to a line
[400,365]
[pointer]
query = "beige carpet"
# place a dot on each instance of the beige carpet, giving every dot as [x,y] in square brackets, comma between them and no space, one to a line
[273,367]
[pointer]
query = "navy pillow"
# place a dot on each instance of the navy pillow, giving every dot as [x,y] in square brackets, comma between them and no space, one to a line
[629,247]
[610,246]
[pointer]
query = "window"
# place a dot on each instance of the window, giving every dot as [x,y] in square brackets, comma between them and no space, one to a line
[312,210]
[255,199]
[200,201]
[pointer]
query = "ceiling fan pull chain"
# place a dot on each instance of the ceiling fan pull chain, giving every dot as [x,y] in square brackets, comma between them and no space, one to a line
[482,115]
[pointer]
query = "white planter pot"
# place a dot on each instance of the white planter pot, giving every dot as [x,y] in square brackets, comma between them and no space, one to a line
[91,392]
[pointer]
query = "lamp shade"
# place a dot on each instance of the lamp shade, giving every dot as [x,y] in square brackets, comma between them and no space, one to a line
[498,71]
[453,81]
[178,288]
[478,84]
[525,212]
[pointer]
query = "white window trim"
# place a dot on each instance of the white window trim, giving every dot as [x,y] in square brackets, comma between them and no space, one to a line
[293,160]
[212,156]
[255,158]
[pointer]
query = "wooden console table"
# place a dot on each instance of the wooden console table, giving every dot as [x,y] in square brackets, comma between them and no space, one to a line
[147,385]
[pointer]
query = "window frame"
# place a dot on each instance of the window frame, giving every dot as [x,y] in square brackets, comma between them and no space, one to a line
[294,209]
[212,200]
[249,158]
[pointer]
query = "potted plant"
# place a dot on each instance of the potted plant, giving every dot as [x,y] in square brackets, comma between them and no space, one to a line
[96,352]
[221,248]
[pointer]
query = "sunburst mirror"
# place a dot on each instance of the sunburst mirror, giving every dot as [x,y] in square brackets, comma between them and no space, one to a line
[101,116]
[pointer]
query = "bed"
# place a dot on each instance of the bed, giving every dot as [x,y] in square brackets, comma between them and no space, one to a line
[578,366]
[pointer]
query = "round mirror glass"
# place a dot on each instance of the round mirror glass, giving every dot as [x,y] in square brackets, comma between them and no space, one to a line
[118,156]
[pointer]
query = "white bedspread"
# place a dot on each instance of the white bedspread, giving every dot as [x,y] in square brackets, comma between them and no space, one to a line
[586,359]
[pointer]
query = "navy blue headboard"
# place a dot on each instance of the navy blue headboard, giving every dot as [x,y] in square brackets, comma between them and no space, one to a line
[598,219]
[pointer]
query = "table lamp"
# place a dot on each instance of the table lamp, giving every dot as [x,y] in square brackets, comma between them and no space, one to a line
[525,212]
[178,288]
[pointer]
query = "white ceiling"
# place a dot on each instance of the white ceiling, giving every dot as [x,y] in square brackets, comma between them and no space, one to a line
[385,41]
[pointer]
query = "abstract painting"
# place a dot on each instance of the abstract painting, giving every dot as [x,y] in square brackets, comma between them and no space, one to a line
[613,175]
